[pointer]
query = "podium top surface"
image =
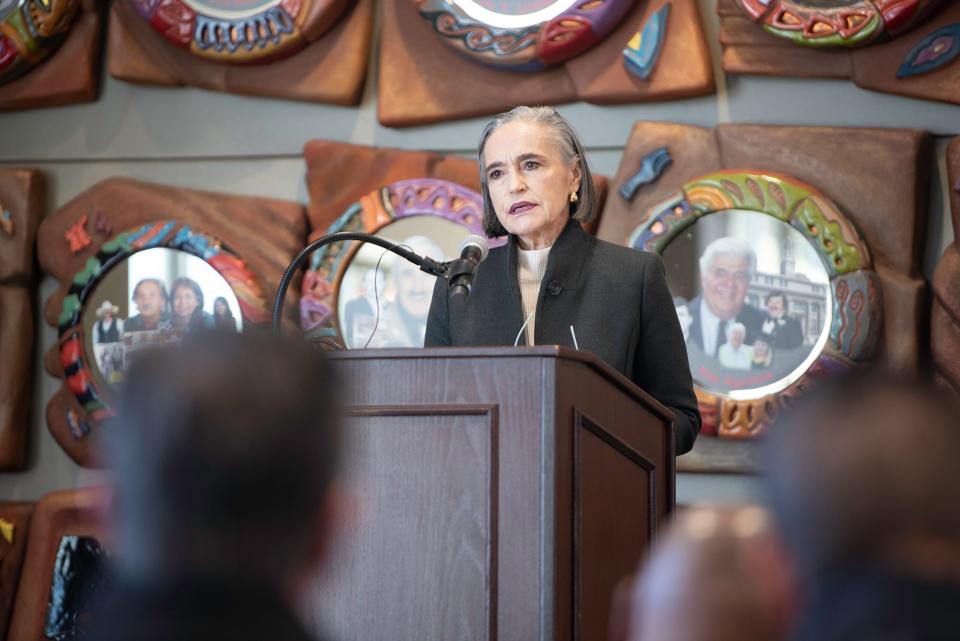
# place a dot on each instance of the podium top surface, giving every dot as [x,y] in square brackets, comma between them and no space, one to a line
[558,352]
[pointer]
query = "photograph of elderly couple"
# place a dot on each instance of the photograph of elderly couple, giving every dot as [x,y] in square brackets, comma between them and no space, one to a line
[753,300]
[155,297]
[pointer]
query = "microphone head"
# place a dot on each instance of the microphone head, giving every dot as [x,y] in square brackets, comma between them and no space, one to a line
[479,242]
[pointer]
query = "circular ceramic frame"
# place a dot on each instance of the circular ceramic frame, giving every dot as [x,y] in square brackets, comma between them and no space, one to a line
[854,285]
[530,42]
[169,234]
[256,31]
[418,197]
[843,23]
[30,30]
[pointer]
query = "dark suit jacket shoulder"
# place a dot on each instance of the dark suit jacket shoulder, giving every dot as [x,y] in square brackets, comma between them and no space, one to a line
[616,299]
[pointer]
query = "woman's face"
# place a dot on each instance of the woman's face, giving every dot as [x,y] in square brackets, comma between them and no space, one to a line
[184,302]
[220,308]
[529,182]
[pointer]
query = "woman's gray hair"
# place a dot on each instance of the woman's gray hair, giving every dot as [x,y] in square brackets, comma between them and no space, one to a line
[736,327]
[586,206]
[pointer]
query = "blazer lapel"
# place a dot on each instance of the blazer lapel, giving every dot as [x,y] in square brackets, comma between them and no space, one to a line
[565,266]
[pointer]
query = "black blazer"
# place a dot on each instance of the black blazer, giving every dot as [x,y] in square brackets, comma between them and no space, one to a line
[615,297]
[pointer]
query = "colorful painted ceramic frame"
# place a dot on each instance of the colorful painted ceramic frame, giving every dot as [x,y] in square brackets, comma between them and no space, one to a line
[837,23]
[30,30]
[855,292]
[523,35]
[79,378]
[241,31]
[448,201]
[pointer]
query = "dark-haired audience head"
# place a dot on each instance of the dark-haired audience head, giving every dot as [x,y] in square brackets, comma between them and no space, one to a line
[225,449]
[719,574]
[864,474]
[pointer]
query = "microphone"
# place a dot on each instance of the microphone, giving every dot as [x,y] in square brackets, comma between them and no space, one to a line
[473,250]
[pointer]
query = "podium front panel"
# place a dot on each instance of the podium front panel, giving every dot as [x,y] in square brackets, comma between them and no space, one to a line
[420,542]
[496,494]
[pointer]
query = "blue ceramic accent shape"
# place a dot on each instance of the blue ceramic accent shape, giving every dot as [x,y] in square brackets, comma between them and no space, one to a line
[6,222]
[933,52]
[644,48]
[651,168]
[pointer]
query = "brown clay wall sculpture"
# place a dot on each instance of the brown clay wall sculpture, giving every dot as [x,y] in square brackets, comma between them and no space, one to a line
[141,265]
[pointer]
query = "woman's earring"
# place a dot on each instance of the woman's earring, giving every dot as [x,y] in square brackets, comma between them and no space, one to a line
[574,197]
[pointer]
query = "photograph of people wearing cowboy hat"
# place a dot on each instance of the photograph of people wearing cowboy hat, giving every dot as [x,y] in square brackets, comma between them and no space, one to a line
[107,348]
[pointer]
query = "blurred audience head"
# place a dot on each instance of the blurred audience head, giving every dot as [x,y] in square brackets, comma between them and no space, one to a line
[225,449]
[864,473]
[717,575]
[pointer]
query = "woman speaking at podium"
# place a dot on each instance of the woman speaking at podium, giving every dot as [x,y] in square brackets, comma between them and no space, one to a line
[554,284]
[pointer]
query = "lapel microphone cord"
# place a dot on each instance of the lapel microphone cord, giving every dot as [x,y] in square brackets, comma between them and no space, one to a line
[516,341]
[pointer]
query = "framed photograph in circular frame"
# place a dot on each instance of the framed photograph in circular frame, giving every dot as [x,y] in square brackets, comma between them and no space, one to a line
[837,23]
[240,31]
[82,375]
[358,295]
[796,325]
[523,35]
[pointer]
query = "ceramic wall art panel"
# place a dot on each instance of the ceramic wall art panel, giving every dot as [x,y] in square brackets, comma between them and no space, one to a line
[906,47]
[849,283]
[142,264]
[441,61]
[320,54]
[49,52]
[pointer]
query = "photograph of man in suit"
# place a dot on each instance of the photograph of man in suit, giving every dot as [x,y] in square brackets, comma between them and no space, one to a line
[726,268]
[779,329]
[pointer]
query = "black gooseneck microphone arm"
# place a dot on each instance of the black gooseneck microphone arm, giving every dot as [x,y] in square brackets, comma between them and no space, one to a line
[425,263]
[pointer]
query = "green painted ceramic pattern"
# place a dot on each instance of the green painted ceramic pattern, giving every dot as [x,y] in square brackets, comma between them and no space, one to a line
[90,271]
[841,256]
[866,34]
[71,306]
[756,192]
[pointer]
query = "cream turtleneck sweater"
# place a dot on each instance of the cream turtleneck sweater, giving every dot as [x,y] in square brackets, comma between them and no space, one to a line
[531,266]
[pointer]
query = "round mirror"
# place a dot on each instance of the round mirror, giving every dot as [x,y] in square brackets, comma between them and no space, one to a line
[344,298]
[523,35]
[151,298]
[509,14]
[229,9]
[384,300]
[773,286]
[754,302]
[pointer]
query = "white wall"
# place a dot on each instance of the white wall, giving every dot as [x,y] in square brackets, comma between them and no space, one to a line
[252,146]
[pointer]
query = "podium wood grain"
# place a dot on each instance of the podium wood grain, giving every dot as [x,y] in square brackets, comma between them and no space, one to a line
[496,494]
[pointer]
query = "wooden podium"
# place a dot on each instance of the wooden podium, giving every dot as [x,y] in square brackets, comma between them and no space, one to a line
[495,494]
